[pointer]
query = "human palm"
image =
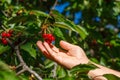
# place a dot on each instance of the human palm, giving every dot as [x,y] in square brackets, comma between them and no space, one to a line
[71,56]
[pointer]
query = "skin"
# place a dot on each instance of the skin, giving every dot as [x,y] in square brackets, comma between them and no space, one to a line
[71,55]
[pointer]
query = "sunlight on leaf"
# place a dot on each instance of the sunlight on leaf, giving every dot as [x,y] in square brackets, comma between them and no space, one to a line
[29,48]
[6,73]
[3,48]
[111,77]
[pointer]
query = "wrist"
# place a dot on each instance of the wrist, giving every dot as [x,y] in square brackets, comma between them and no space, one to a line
[97,74]
[100,77]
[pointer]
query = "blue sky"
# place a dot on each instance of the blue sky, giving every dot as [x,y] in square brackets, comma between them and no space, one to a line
[60,8]
[78,15]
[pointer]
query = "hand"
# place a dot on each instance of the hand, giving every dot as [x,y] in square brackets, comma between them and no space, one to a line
[71,56]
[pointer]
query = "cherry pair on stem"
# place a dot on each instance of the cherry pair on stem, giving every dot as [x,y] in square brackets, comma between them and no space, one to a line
[49,38]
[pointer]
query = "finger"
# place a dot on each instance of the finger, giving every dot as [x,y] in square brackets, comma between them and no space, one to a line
[42,48]
[57,57]
[49,49]
[65,45]
[54,48]
[47,55]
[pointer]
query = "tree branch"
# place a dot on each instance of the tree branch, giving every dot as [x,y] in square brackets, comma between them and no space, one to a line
[55,3]
[21,71]
[22,42]
[4,13]
[19,65]
[25,67]
[3,27]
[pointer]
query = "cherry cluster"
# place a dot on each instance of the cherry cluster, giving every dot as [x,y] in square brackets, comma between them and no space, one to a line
[49,38]
[5,35]
[108,44]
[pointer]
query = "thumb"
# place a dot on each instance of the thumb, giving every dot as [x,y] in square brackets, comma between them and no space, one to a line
[65,45]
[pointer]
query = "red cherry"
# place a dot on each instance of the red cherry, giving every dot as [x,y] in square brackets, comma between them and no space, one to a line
[107,43]
[4,41]
[44,35]
[94,42]
[8,35]
[48,41]
[48,38]
[49,35]
[52,38]
[10,31]
[4,34]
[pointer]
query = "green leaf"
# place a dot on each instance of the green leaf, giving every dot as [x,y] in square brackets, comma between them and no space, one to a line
[22,18]
[62,22]
[100,2]
[58,33]
[33,17]
[83,68]
[74,5]
[58,17]
[82,32]
[8,1]
[94,60]
[49,63]
[40,13]
[4,49]
[70,26]
[43,16]
[61,73]
[102,61]
[48,79]
[80,71]
[111,77]
[6,73]
[28,47]
[68,78]
[24,77]
[63,25]
[17,19]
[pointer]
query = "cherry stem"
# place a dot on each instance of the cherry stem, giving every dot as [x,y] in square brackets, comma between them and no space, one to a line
[45,21]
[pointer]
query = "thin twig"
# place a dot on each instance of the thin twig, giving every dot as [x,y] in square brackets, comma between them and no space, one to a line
[55,3]
[25,67]
[3,27]
[10,42]
[21,71]
[18,54]
[34,73]
[19,65]
[50,13]
[4,13]
[22,42]
[53,7]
